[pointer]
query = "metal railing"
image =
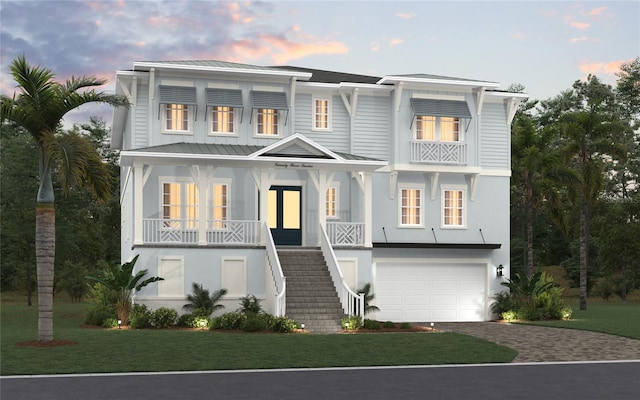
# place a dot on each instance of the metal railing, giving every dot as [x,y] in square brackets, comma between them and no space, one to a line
[352,302]
[345,233]
[438,152]
[279,280]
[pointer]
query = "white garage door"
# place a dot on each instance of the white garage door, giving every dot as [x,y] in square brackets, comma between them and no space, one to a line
[427,292]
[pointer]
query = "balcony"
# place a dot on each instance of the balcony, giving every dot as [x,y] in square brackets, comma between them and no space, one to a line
[450,153]
[345,234]
[181,231]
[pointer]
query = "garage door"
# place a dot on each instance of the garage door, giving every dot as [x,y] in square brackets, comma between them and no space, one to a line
[427,292]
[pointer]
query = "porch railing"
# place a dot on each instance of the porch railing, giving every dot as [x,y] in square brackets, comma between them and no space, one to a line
[279,280]
[345,233]
[352,302]
[183,231]
[438,152]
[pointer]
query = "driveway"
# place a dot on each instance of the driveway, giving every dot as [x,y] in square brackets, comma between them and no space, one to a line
[540,344]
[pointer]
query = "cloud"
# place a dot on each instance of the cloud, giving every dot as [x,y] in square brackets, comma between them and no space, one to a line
[579,25]
[395,42]
[374,46]
[405,15]
[595,68]
[596,11]
[518,36]
[579,39]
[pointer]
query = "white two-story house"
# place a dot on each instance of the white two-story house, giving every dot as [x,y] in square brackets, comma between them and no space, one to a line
[400,181]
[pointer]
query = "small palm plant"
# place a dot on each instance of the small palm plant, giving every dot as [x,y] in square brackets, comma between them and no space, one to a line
[202,303]
[368,298]
[250,305]
[120,278]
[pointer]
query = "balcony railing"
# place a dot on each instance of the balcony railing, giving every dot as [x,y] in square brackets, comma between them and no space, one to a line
[424,151]
[220,232]
[345,233]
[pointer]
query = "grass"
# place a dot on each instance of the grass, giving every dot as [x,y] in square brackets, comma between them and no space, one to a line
[101,350]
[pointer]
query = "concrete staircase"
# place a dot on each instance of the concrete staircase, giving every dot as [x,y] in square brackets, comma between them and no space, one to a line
[311,296]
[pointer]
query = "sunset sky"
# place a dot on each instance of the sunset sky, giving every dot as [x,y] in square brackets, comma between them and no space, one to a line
[543,45]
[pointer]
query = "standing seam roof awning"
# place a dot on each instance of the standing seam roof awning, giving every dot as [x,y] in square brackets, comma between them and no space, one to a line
[440,108]
[177,95]
[225,98]
[273,100]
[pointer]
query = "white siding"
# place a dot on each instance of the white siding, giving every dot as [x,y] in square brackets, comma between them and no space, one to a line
[141,118]
[494,139]
[338,138]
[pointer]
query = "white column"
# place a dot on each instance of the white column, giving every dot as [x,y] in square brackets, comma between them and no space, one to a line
[265,184]
[203,188]
[138,184]
[368,208]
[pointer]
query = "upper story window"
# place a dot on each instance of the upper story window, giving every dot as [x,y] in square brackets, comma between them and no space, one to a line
[431,128]
[331,201]
[223,120]
[269,112]
[179,202]
[267,121]
[411,206]
[453,207]
[321,114]
[225,110]
[179,108]
[220,205]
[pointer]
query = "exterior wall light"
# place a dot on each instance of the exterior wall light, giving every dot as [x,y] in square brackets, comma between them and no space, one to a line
[499,270]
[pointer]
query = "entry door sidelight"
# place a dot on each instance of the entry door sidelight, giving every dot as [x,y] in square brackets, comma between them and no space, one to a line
[285,215]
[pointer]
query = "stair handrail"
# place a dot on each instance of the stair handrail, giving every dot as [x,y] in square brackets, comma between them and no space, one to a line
[280,281]
[352,302]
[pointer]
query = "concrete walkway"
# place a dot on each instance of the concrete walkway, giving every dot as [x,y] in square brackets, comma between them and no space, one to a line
[540,344]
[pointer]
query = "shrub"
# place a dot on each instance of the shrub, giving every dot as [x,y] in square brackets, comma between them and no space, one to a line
[405,325]
[532,298]
[164,317]
[283,325]
[503,303]
[567,312]
[389,324]
[228,321]
[250,305]
[140,317]
[253,323]
[187,321]
[102,305]
[202,303]
[371,324]
[110,323]
[352,323]
[509,315]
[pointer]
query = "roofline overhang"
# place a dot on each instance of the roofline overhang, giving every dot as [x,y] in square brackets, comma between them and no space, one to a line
[241,71]
[462,246]
[507,95]
[131,157]
[391,79]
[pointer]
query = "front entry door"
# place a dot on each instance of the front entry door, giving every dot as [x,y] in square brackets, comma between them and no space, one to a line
[285,215]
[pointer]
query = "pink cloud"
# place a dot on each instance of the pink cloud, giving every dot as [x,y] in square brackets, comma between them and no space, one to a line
[579,39]
[610,67]
[596,11]
[579,25]
[405,15]
[374,46]
[395,42]
[290,50]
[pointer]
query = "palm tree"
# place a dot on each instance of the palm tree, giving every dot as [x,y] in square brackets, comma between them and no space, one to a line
[590,129]
[39,109]
[368,298]
[120,278]
[200,301]
[537,172]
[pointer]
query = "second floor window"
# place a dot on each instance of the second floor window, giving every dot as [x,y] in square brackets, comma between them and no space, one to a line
[267,121]
[446,129]
[321,114]
[176,117]
[453,208]
[410,207]
[222,120]
[179,202]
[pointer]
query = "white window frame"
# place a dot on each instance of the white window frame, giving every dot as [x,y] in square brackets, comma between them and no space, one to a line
[314,114]
[421,189]
[211,207]
[336,201]
[279,125]
[212,111]
[190,114]
[185,206]
[453,188]
[438,129]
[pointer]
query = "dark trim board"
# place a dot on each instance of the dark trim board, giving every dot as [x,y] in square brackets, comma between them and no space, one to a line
[466,246]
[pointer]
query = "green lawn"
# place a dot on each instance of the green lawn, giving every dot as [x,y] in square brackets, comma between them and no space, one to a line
[100,350]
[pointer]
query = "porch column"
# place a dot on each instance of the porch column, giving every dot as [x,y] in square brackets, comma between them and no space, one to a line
[203,188]
[368,208]
[265,179]
[138,184]
[321,182]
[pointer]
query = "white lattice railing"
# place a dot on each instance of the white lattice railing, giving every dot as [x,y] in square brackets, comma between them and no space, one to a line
[229,232]
[352,302]
[279,280]
[345,233]
[438,152]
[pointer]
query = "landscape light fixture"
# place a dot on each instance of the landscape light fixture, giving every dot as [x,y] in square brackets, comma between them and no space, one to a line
[433,324]
[119,323]
[302,326]
[499,270]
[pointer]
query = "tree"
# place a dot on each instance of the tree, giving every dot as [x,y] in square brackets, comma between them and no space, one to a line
[368,298]
[201,302]
[39,108]
[120,278]
[590,129]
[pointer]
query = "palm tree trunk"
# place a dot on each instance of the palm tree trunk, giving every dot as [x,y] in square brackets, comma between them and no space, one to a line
[529,264]
[45,253]
[583,253]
